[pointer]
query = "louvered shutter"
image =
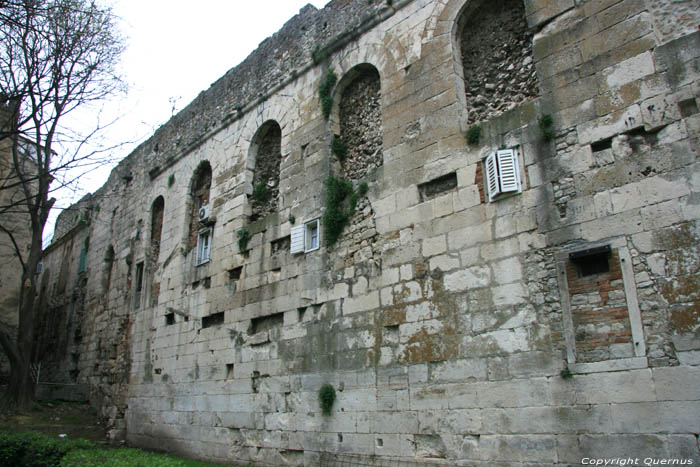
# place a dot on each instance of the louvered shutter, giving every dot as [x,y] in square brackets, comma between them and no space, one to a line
[508,170]
[297,240]
[492,176]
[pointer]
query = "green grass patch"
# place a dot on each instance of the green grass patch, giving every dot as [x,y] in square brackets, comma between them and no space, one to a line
[126,457]
[34,449]
[326,398]
[546,124]
[261,193]
[243,239]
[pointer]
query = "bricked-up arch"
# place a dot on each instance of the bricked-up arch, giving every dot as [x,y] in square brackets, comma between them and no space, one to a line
[266,153]
[360,121]
[199,193]
[496,51]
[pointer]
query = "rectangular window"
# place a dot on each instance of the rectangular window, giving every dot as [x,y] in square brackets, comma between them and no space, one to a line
[312,236]
[306,238]
[502,173]
[203,246]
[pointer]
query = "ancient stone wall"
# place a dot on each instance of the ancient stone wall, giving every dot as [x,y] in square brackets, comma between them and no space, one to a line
[552,323]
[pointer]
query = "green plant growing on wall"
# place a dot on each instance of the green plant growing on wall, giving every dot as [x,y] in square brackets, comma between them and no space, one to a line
[473,135]
[243,239]
[319,55]
[546,125]
[292,219]
[566,373]
[341,201]
[339,148]
[325,91]
[171,180]
[326,398]
[261,193]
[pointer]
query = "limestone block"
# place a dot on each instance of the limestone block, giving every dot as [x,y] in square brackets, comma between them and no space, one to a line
[661,215]
[466,198]
[521,448]
[627,71]
[509,294]
[362,303]
[544,420]
[658,112]
[648,191]
[394,422]
[515,393]
[651,417]
[444,262]
[500,249]
[434,245]
[466,279]
[458,370]
[677,383]
[501,341]
[469,236]
[507,271]
[540,11]
[428,397]
[617,36]
[618,387]
[610,125]
[421,311]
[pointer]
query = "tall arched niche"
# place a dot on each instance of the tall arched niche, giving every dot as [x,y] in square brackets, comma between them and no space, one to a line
[495,46]
[266,154]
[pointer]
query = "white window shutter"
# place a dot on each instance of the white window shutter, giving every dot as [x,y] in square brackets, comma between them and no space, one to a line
[492,176]
[297,240]
[508,170]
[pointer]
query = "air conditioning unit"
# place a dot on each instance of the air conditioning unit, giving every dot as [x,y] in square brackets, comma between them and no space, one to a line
[204,213]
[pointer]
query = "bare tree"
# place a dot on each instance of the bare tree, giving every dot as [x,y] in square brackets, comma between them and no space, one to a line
[55,56]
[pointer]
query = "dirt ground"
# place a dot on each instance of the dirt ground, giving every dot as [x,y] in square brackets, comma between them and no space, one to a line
[73,419]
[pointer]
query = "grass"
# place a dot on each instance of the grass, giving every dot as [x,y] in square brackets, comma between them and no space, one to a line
[325,91]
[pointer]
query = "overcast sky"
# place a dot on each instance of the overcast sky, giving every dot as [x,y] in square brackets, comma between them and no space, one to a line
[175,50]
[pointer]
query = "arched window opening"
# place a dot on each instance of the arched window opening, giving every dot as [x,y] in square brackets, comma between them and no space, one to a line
[266,151]
[360,118]
[199,210]
[157,210]
[496,47]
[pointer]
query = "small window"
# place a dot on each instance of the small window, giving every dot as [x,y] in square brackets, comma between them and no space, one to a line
[502,173]
[306,238]
[203,246]
[592,261]
[312,236]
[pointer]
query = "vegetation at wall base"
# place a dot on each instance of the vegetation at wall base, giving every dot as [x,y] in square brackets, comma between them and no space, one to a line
[32,448]
[35,449]
[326,398]
[325,91]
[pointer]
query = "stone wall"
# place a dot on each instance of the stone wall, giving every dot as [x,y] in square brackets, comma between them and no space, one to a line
[454,329]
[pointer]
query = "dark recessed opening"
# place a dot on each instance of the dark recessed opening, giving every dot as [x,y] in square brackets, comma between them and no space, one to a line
[601,145]
[592,261]
[688,107]
[235,273]
[437,186]
[213,320]
[170,319]
[265,323]
[281,244]
[229,370]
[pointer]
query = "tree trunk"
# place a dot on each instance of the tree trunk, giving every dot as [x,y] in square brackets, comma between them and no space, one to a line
[20,391]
